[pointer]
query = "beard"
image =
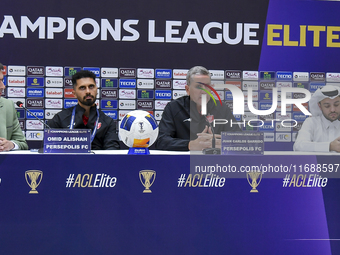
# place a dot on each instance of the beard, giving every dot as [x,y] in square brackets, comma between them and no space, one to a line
[88,102]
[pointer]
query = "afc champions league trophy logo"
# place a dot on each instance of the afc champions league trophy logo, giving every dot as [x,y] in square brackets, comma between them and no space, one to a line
[33,180]
[254,179]
[147,178]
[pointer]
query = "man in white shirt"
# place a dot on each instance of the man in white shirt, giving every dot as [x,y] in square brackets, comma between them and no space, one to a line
[321,132]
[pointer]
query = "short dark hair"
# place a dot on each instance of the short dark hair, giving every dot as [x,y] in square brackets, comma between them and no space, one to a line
[196,70]
[82,74]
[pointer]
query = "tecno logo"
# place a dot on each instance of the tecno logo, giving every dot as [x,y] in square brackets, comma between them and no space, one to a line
[160,94]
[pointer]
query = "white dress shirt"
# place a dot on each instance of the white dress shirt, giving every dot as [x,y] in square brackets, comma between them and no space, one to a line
[316,134]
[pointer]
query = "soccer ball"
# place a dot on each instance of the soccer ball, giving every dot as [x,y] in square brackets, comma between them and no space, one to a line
[138,129]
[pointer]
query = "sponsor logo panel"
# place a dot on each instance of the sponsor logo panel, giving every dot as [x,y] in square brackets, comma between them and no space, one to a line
[269,137]
[163,94]
[301,76]
[127,83]
[35,71]
[68,93]
[109,93]
[109,83]
[16,81]
[160,104]
[16,70]
[37,113]
[179,84]
[179,93]
[145,73]
[68,82]
[233,75]
[250,84]
[217,74]
[109,104]
[35,81]
[145,104]
[16,92]
[313,86]
[35,92]
[109,72]
[70,103]
[145,83]
[54,71]
[267,75]
[35,103]
[34,124]
[35,135]
[163,84]
[163,74]
[95,70]
[21,114]
[112,114]
[54,103]
[284,84]
[180,73]
[250,75]
[333,77]
[49,113]
[267,85]
[122,114]
[145,94]
[127,72]
[283,137]
[127,93]
[127,104]
[317,76]
[69,71]
[284,76]
[54,92]
[158,115]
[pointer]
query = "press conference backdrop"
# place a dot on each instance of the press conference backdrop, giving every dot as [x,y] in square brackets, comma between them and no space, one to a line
[141,52]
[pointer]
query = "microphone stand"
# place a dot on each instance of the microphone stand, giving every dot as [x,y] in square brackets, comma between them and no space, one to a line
[212,150]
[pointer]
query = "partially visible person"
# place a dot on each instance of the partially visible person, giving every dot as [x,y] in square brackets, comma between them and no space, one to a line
[85,114]
[11,136]
[321,132]
[183,127]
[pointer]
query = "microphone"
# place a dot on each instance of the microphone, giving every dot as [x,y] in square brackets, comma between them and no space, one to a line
[21,105]
[212,150]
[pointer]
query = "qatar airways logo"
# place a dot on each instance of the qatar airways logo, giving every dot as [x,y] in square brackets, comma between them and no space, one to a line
[127,72]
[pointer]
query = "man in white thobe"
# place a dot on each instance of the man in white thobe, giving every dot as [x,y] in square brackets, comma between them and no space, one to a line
[321,132]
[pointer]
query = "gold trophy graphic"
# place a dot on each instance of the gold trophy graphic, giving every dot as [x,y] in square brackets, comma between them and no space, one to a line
[32,180]
[148,179]
[255,178]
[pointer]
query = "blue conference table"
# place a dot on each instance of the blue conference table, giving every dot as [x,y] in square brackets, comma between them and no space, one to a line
[95,204]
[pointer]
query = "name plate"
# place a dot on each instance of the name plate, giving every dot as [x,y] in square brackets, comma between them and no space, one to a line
[67,141]
[234,143]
